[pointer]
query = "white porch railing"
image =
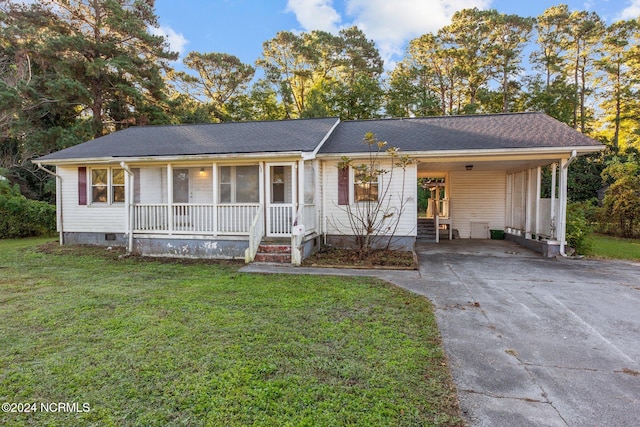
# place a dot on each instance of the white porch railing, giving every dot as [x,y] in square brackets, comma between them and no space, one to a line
[193,218]
[442,207]
[280,220]
[151,218]
[256,233]
[186,218]
[236,218]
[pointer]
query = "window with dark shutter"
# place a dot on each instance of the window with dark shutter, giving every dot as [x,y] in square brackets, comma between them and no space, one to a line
[82,185]
[343,186]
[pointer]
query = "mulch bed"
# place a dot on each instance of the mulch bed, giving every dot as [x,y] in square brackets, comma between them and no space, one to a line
[348,258]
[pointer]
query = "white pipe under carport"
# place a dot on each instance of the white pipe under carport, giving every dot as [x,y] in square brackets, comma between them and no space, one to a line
[562,215]
[59,217]
[129,207]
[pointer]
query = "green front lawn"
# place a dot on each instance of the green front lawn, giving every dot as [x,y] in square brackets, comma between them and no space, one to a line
[615,247]
[147,342]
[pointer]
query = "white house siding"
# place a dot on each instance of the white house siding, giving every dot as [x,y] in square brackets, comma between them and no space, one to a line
[337,220]
[95,218]
[477,197]
[201,185]
[153,185]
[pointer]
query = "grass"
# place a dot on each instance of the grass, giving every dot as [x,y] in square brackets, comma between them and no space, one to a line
[150,342]
[615,247]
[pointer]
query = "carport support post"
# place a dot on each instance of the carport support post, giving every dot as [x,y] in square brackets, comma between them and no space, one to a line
[554,172]
[562,205]
[538,186]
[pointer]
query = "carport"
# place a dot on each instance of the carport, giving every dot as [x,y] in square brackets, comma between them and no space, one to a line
[504,193]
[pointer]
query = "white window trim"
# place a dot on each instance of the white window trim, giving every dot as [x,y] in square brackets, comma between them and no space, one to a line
[232,183]
[110,187]
[352,186]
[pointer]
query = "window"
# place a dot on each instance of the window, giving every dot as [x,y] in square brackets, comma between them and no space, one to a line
[309,184]
[107,185]
[365,184]
[117,185]
[239,184]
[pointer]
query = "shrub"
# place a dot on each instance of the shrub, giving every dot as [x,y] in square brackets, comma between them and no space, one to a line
[579,226]
[21,217]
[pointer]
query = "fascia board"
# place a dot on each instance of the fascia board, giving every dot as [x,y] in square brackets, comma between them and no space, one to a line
[165,159]
[497,154]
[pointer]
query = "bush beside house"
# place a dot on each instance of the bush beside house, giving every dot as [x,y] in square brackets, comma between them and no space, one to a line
[21,217]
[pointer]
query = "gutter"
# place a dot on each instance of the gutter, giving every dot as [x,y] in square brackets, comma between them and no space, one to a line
[473,154]
[193,158]
[563,225]
[59,217]
[129,205]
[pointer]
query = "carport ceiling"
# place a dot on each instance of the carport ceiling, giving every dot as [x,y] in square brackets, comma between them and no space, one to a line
[427,166]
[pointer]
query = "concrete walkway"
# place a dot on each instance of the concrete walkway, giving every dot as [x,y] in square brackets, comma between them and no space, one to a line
[530,341]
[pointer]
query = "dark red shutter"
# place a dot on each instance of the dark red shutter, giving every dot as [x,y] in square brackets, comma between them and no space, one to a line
[82,185]
[343,186]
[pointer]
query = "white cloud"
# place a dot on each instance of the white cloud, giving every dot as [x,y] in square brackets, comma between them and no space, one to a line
[391,24]
[632,11]
[177,41]
[315,14]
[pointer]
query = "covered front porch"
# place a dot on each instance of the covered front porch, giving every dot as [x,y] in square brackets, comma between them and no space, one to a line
[220,202]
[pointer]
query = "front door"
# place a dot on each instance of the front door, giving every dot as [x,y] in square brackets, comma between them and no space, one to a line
[280,195]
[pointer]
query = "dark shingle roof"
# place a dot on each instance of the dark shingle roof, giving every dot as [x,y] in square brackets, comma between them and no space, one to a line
[496,131]
[202,139]
[473,132]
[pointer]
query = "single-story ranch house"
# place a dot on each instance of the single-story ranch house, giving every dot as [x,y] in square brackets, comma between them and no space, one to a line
[219,190]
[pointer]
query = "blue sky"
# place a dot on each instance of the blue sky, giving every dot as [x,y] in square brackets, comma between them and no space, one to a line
[239,27]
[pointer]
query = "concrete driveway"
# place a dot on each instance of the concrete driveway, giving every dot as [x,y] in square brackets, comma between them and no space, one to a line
[530,341]
[533,341]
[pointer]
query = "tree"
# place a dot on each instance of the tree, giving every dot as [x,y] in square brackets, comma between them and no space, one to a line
[581,37]
[357,93]
[467,38]
[426,82]
[290,63]
[622,198]
[618,64]
[550,27]
[220,79]
[508,35]
[375,214]
[108,62]
[317,74]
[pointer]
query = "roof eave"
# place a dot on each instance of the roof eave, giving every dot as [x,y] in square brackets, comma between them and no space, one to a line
[173,158]
[493,152]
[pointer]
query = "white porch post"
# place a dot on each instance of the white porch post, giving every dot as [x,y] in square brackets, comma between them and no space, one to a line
[214,214]
[554,224]
[527,205]
[509,207]
[170,196]
[300,206]
[562,205]
[537,198]
[316,186]
[262,188]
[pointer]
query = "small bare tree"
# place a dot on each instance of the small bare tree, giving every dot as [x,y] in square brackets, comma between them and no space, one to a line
[374,215]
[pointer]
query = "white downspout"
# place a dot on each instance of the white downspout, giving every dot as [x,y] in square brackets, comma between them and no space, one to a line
[563,203]
[129,206]
[59,218]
